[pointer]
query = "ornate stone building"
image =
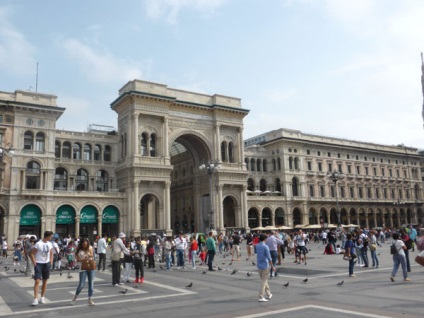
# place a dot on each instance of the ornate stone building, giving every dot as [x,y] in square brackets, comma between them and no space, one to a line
[288,181]
[144,176]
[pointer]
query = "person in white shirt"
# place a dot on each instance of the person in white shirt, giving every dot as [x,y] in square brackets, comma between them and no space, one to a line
[42,258]
[101,250]
[399,258]
[56,251]
[180,245]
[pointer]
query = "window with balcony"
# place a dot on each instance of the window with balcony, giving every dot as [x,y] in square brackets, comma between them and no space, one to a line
[107,155]
[81,180]
[87,152]
[39,141]
[60,179]
[28,140]
[143,144]
[309,165]
[153,145]
[102,181]
[295,187]
[57,149]
[76,151]
[66,150]
[32,175]
[97,152]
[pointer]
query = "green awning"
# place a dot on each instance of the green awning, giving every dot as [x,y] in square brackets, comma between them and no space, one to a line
[30,215]
[65,215]
[88,215]
[110,215]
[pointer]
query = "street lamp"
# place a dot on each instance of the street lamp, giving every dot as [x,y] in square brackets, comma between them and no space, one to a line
[336,176]
[6,151]
[211,167]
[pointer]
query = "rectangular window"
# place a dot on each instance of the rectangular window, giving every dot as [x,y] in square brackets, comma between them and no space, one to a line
[340,168]
[365,158]
[329,154]
[330,167]
[366,171]
[352,192]
[311,190]
[333,193]
[338,155]
[308,152]
[375,171]
[398,173]
[404,173]
[347,156]
[319,166]
[358,170]
[385,193]
[390,173]
[322,190]
[369,193]
[382,172]
[342,192]
[309,165]
[349,169]
[360,193]
[319,153]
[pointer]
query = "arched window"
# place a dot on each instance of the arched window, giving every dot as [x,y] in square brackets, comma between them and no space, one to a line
[230,152]
[152,145]
[252,164]
[262,185]
[81,180]
[295,187]
[246,161]
[39,141]
[107,154]
[87,152]
[264,164]
[97,152]
[32,175]
[143,144]
[76,151]
[57,148]
[28,140]
[223,151]
[250,184]
[296,163]
[258,165]
[61,179]
[102,181]
[66,150]
[290,163]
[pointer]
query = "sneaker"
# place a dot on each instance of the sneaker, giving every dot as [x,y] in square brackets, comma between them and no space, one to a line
[73,301]
[178,267]
[141,281]
[262,299]
[392,278]
[406,279]
[35,302]
[352,275]
[91,302]
[269,296]
[136,281]
[43,300]
[121,284]
[115,285]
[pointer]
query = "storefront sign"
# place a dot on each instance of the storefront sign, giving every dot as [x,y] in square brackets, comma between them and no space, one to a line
[30,215]
[110,215]
[88,215]
[65,215]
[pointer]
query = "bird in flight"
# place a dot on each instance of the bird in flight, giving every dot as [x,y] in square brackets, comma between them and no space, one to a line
[123,292]
[305,280]
[286,284]
[189,285]
[341,283]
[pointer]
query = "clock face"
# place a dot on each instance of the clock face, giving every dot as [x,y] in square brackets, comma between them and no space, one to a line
[29,121]
[40,122]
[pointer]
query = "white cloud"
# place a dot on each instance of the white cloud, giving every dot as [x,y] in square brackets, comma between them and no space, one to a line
[16,52]
[103,66]
[169,10]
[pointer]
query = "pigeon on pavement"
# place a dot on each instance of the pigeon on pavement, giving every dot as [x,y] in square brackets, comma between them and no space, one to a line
[189,285]
[305,280]
[286,284]
[341,283]
[123,292]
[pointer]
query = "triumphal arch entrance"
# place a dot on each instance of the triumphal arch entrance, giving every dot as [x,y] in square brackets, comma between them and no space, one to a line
[165,137]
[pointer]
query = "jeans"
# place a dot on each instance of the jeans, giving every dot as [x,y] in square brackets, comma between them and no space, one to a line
[351,266]
[116,272]
[102,261]
[193,258]
[82,276]
[211,255]
[139,268]
[364,255]
[180,258]
[408,264]
[399,259]
[374,258]
[274,256]
[168,260]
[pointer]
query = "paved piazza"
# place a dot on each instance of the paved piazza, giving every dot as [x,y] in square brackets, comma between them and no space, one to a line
[220,294]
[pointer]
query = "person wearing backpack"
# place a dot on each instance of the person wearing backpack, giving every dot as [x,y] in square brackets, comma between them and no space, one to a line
[398,253]
[408,243]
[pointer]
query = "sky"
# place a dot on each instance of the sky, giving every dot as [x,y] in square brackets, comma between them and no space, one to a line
[339,68]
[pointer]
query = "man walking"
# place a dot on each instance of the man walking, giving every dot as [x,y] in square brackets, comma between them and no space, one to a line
[264,263]
[236,246]
[211,246]
[101,250]
[42,258]
[118,249]
[180,245]
[273,243]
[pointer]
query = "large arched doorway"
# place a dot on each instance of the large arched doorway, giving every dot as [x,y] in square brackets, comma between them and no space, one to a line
[266,217]
[30,221]
[297,217]
[230,206]
[65,220]
[149,213]
[253,218]
[280,218]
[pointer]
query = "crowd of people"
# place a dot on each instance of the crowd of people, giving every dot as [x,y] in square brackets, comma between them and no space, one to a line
[177,253]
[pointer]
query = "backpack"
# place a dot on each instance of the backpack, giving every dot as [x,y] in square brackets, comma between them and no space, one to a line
[393,249]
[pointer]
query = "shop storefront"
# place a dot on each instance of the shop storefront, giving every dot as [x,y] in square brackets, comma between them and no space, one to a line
[65,221]
[88,222]
[110,221]
[30,220]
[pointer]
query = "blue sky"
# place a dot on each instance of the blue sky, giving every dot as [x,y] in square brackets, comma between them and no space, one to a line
[340,68]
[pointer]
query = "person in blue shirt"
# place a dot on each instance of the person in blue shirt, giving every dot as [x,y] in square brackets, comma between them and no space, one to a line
[350,253]
[264,263]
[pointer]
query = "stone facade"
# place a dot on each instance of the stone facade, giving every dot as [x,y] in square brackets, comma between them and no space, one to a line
[145,177]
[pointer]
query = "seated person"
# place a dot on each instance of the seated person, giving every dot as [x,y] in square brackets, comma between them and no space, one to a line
[338,249]
[328,249]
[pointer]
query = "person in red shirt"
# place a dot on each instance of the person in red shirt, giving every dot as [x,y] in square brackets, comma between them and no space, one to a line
[193,251]
[151,255]
[202,257]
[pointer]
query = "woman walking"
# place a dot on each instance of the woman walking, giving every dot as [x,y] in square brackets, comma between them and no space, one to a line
[193,251]
[128,261]
[399,258]
[373,249]
[83,253]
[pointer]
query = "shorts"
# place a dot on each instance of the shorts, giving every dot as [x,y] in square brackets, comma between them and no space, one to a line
[42,271]
[302,250]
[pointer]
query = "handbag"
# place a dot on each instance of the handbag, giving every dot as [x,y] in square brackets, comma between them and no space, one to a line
[420,258]
[88,265]
[373,247]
